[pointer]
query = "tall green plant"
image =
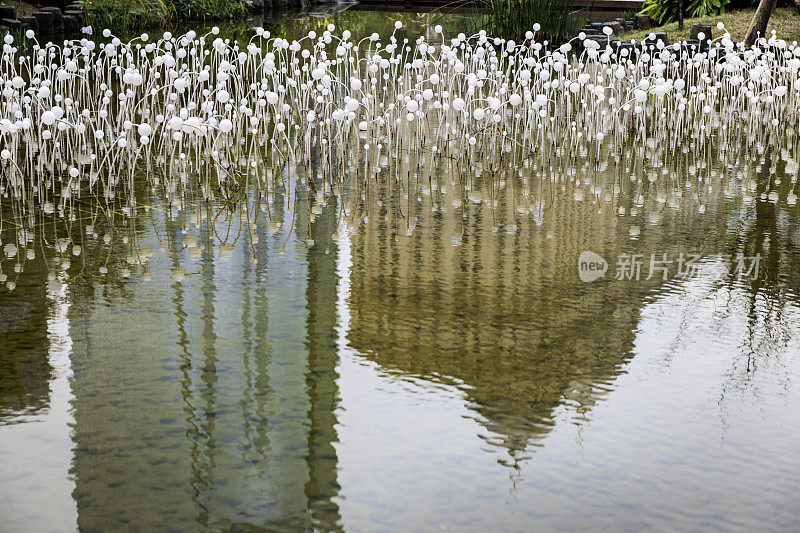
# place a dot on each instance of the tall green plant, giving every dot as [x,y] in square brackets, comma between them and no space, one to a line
[666,11]
[558,19]
[126,15]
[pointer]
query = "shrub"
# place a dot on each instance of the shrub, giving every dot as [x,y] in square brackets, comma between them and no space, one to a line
[666,11]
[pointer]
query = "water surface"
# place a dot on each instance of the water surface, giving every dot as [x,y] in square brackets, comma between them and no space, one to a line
[420,356]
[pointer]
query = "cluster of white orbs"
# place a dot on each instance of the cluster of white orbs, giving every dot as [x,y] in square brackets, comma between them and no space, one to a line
[92,119]
[88,112]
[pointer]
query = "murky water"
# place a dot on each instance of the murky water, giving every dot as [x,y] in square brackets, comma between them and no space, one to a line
[414,353]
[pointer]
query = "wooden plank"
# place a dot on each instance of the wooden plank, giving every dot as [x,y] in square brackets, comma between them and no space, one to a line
[622,5]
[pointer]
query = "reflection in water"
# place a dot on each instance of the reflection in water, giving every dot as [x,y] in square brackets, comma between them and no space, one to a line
[472,285]
[226,407]
[42,437]
[321,381]
[407,347]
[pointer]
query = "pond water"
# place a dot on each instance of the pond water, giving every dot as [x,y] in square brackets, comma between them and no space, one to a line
[416,356]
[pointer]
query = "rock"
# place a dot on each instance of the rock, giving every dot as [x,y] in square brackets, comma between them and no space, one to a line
[8,12]
[597,27]
[77,13]
[30,22]
[642,22]
[60,4]
[44,21]
[626,45]
[58,18]
[616,27]
[71,24]
[700,28]
[657,36]
[689,43]
[603,41]
[13,25]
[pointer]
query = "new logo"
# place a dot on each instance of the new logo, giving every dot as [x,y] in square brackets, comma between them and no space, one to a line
[591,266]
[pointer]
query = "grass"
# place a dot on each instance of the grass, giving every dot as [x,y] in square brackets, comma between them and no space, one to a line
[24,9]
[784,20]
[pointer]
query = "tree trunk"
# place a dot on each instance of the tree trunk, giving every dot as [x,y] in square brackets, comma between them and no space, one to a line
[680,14]
[758,28]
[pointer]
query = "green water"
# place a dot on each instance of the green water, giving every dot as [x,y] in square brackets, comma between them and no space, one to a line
[416,359]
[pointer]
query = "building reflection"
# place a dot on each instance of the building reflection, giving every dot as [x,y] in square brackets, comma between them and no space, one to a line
[478,285]
[210,395]
[24,369]
[35,407]
[220,403]
[322,387]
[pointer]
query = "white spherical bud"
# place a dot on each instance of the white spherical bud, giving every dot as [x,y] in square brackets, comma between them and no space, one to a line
[48,118]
